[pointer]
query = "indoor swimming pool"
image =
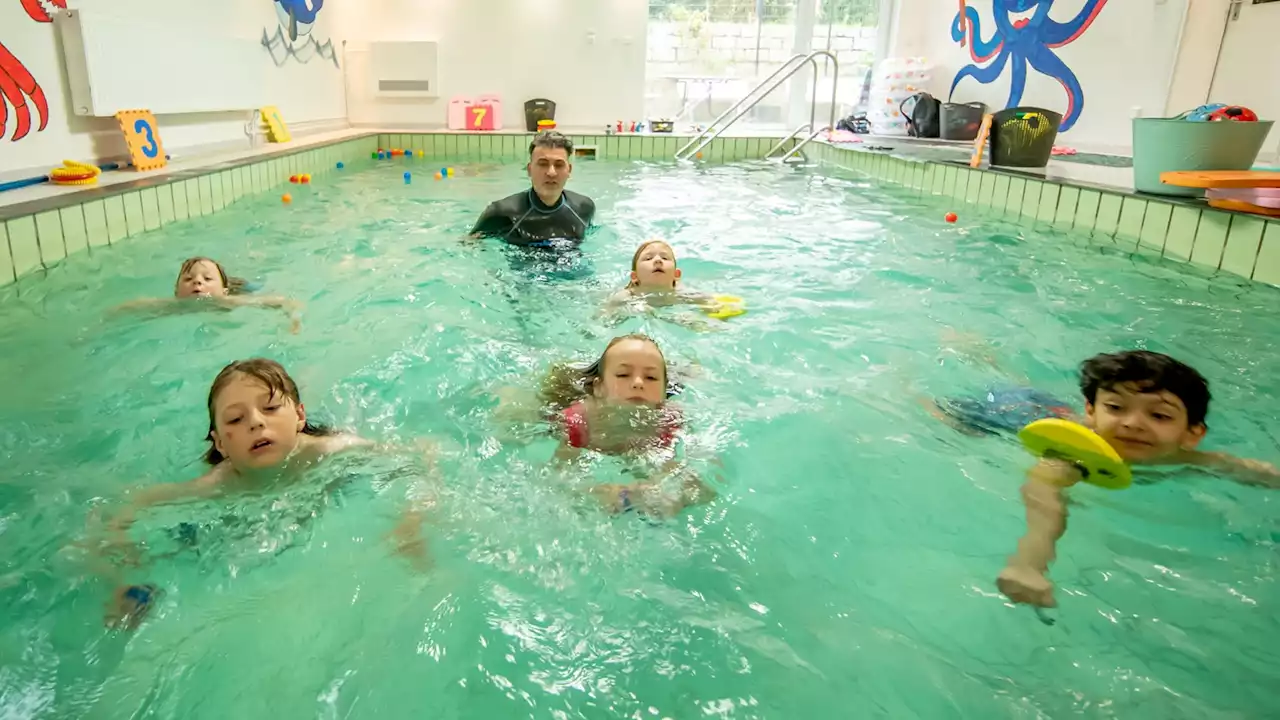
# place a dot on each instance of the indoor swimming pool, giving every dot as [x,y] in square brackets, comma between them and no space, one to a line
[846,569]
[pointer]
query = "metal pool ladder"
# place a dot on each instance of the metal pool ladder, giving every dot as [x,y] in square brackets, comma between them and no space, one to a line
[760,92]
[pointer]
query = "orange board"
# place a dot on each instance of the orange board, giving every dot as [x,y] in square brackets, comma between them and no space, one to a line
[980,142]
[1222,179]
[1241,206]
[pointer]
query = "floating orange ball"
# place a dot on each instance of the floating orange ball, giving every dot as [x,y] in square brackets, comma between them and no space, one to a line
[286,198]
[951,217]
[438,176]
[698,156]
[305,179]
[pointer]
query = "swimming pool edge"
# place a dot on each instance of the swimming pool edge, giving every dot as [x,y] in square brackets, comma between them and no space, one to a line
[1219,242]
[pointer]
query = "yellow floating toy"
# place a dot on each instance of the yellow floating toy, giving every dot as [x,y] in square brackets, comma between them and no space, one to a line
[1059,439]
[726,306]
[74,173]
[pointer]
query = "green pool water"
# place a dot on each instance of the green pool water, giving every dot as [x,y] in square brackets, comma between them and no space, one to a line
[846,570]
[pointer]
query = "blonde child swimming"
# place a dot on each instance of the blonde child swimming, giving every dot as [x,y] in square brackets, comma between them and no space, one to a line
[655,283]
[259,436]
[203,279]
[618,406]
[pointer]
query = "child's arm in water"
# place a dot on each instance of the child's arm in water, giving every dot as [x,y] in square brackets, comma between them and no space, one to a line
[1023,579]
[407,536]
[1241,470]
[205,486]
[168,305]
[650,497]
[290,307]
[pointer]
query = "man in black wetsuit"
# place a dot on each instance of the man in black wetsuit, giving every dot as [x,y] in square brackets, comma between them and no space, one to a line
[546,215]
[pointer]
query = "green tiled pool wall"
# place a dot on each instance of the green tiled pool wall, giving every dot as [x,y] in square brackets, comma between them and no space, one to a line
[513,147]
[1218,241]
[35,242]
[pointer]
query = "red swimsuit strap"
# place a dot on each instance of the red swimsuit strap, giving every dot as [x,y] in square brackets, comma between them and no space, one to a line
[575,425]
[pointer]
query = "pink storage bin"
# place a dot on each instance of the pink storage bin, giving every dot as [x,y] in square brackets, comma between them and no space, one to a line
[458,113]
[496,102]
[1262,197]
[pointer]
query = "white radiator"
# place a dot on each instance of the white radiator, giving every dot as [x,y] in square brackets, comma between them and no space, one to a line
[403,69]
[125,63]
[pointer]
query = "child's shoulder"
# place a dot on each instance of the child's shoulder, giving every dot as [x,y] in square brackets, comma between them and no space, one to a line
[319,445]
[622,296]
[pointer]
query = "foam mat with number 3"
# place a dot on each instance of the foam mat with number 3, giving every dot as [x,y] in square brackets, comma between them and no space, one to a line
[142,135]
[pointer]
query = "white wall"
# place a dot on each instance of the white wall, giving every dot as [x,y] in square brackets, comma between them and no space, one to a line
[518,49]
[1198,56]
[303,92]
[1124,62]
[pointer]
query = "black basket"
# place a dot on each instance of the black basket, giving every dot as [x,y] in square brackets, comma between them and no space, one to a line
[960,121]
[1023,136]
[538,109]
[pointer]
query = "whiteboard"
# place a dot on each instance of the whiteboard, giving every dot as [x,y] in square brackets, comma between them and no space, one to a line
[125,63]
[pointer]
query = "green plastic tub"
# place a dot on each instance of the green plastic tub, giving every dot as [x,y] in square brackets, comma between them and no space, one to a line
[1163,145]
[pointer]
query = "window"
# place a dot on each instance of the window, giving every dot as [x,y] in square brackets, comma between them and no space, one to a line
[704,55]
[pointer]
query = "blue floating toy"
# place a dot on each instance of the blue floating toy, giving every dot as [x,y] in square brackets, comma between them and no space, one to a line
[340,166]
[407,177]
[1202,113]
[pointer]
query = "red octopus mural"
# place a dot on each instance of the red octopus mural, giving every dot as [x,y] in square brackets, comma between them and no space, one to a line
[17,83]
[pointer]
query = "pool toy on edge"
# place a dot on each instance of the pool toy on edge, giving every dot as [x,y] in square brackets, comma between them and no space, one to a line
[1058,439]
[1219,112]
[726,306]
[74,173]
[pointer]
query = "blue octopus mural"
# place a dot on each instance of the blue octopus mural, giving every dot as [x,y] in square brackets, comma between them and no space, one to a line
[1024,34]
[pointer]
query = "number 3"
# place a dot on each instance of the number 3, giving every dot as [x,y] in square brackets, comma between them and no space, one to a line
[144,127]
[479,115]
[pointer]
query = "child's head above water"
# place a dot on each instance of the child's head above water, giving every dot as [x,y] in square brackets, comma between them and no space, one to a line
[1146,405]
[255,415]
[204,277]
[631,370]
[653,267]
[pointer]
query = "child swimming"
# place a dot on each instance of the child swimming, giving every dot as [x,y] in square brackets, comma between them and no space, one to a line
[655,283]
[259,437]
[205,280]
[1150,407]
[618,406]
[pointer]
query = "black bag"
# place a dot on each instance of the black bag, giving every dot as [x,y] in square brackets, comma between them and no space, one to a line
[924,119]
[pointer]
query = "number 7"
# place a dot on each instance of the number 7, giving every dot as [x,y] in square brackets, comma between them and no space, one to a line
[479,115]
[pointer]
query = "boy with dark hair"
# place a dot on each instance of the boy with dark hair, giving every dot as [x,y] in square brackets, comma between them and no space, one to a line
[546,215]
[1151,409]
